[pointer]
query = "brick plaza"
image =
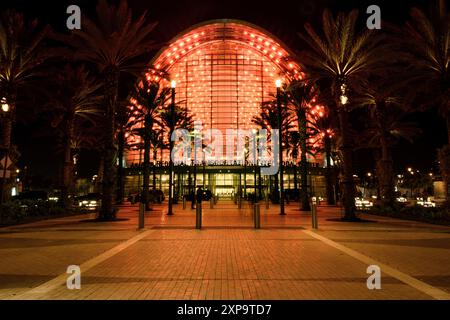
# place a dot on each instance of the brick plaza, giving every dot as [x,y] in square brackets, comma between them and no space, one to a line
[227,259]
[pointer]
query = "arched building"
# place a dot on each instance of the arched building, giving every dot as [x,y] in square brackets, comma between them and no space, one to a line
[224,70]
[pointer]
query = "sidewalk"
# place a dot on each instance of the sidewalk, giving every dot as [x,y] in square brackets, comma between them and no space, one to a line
[228,259]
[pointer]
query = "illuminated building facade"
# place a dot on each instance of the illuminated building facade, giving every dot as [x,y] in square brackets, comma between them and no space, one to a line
[224,70]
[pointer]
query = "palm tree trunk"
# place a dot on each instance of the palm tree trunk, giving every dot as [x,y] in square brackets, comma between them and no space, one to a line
[5,144]
[68,165]
[146,171]
[387,174]
[7,123]
[348,196]
[107,211]
[304,196]
[276,190]
[155,154]
[295,172]
[448,128]
[120,169]
[331,200]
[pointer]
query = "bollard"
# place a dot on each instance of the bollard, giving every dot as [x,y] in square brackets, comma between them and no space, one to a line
[239,202]
[198,216]
[211,203]
[267,202]
[256,216]
[184,203]
[141,215]
[314,216]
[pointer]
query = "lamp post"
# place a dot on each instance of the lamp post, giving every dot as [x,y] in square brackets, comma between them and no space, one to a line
[280,144]
[173,85]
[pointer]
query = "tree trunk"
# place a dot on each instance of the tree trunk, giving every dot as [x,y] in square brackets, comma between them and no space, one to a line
[120,169]
[295,171]
[155,154]
[107,211]
[448,128]
[276,190]
[146,165]
[385,166]
[171,164]
[348,190]
[67,165]
[5,143]
[304,195]
[386,176]
[331,199]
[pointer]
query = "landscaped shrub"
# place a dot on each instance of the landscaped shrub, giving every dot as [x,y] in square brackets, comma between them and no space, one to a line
[14,211]
[419,213]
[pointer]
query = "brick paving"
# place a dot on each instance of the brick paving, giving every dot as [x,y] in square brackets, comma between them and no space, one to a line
[228,259]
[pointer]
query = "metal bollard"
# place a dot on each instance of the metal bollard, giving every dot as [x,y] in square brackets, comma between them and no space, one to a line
[314,216]
[141,215]
[256,216]
[239,203]
[184,203]
[211,203]
[198,216]
[267,202]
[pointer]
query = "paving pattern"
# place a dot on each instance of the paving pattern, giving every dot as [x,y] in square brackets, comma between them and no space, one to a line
[228,259]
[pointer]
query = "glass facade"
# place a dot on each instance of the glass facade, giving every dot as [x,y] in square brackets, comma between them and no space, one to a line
[224,71]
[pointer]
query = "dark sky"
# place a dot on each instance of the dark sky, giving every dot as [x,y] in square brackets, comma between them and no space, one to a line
[282,18]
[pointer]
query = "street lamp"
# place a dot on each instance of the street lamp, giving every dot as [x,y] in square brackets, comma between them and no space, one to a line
[173,85]
[5,105]
[343,98]
[280,151]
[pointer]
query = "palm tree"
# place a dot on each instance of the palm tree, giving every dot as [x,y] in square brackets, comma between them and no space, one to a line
[268,119]
[157,143]
[339,60]
[148,99]
[171,119]
[427,44]
[324,128]
[294,147]
[21,54]
[386,127]
[73,98]
[299,94]
[116,43]
[122,117]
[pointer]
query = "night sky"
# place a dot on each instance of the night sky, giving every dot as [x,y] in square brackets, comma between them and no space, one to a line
[282,18]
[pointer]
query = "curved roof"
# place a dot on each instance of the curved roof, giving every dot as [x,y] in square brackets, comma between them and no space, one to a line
[227,29]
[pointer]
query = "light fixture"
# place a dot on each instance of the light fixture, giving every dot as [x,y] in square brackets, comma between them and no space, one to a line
[344,100]
[278,83]
[173,84]
[5,105]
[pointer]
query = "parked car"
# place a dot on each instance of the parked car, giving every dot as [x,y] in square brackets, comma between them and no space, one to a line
[91,201]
